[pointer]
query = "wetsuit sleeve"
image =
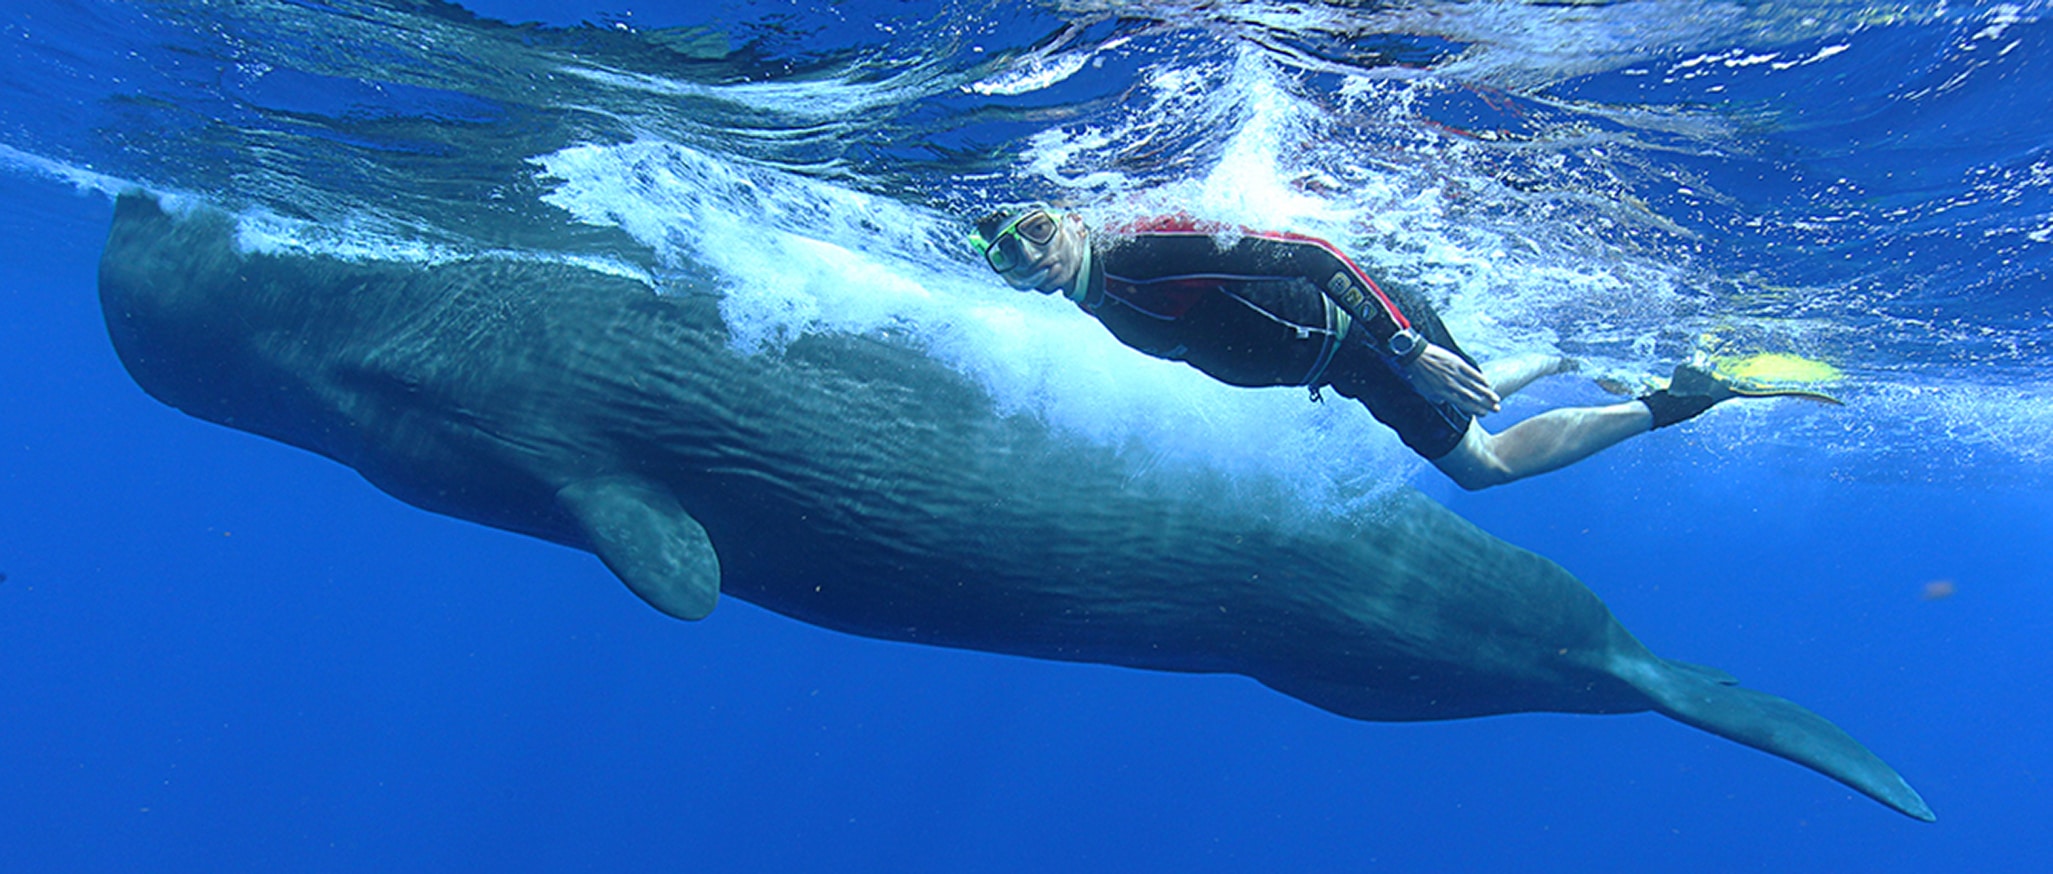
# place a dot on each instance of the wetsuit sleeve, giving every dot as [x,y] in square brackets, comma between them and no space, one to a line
[1282,256]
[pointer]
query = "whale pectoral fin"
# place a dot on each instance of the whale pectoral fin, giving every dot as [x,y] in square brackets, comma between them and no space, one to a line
[648,541]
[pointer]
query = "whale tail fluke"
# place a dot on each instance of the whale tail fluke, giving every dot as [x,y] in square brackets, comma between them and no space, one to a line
[1704,671]
[1708,699]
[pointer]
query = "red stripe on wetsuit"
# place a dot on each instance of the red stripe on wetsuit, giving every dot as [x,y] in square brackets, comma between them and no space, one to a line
[1181,225]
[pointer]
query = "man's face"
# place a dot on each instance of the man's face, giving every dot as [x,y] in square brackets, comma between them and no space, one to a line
[1045,267]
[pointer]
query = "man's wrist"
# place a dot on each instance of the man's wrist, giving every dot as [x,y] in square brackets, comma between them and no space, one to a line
[1406,346]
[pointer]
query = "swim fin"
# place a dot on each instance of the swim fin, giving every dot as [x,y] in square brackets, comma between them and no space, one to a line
[1692,390]
[1692,381]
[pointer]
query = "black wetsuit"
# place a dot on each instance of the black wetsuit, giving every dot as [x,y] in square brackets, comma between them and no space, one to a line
[1252,314]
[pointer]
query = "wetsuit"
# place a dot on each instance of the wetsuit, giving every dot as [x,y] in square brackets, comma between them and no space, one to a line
[1252,314]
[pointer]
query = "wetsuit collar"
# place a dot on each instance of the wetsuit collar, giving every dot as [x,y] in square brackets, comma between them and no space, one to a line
[1090,280]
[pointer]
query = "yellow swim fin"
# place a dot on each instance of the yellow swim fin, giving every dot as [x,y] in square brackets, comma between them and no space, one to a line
[1778,375]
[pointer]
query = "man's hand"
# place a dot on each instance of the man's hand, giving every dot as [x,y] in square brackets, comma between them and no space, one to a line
[1441,375]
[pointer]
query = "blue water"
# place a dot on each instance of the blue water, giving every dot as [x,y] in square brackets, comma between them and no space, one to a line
[224,654]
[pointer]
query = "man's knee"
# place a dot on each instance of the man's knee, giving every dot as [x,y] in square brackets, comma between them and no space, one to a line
[1472,465]
[1478,479]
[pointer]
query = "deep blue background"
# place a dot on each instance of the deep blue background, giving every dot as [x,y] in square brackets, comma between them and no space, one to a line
[222,654]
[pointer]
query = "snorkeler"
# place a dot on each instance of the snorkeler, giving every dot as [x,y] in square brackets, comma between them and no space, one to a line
[1277,309]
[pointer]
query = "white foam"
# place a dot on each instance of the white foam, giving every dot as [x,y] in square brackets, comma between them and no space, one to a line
[367,239]
[795,255]
[824,100]
[1497,282]
[80,178]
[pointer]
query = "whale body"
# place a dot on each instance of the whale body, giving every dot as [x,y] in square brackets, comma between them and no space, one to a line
[856,483]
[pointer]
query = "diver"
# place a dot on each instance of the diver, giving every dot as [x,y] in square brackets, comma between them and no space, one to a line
[1274,309]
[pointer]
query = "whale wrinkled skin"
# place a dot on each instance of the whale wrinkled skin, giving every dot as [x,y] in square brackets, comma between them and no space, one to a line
[856,483]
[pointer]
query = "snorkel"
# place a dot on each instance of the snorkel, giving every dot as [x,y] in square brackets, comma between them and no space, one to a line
[996,237]
[1025,245]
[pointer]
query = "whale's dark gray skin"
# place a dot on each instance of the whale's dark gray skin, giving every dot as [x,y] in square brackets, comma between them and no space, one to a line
[855,483]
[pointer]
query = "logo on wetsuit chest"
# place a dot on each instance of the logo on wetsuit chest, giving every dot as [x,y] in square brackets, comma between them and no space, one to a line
[1350,294]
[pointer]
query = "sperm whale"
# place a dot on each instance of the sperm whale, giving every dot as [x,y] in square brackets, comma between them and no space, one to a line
[857,483]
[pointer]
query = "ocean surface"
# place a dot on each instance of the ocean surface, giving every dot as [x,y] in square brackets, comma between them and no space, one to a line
[224,654]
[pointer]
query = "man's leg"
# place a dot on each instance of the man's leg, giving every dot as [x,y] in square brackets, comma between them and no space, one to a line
[1548,441]
[1558,438]
[1508,375]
